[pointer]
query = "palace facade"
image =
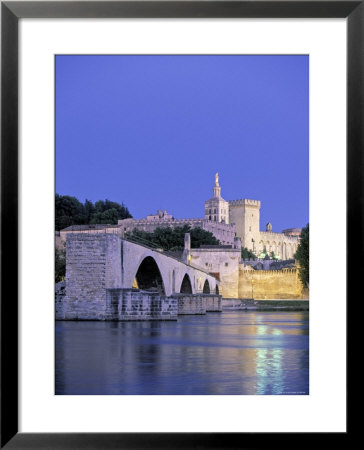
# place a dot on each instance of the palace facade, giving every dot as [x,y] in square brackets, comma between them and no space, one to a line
[232,222]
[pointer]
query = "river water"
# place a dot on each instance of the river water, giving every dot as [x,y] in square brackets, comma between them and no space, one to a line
[235,352]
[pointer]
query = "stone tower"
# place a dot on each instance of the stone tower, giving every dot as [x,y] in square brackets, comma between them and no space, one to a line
[245,214]
[217,209]
[186,257]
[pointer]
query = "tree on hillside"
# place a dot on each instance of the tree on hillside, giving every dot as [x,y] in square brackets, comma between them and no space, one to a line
[173,238]
[109,216]
[107,205]
[302,256]
[89,210]
[70,211]
[200,237]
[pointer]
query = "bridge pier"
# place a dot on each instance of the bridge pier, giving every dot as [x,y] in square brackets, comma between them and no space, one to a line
[189,304]
[131,304]
[213,303]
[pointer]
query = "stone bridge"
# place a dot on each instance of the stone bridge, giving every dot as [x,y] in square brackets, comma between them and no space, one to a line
[150,269]
[110,278]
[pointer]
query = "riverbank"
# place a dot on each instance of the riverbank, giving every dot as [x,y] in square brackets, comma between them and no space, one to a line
[249,304]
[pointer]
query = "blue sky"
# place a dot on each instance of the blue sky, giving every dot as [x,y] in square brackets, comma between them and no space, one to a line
[152,131]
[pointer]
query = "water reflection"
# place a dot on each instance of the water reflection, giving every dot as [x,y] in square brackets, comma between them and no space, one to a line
[229,353]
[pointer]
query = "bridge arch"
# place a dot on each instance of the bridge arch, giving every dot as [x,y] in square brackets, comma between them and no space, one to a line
[206,287]
[186,286]
[148,276]
[172,271]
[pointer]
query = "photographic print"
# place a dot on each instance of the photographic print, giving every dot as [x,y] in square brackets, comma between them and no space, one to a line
[182,225]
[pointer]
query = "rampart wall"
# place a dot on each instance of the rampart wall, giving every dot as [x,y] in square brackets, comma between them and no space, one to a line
[269,284]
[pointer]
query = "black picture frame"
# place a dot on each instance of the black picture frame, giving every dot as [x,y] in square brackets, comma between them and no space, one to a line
[11,12]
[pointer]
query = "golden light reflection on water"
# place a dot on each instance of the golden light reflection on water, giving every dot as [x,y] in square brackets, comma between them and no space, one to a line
[269,371]
[264,366]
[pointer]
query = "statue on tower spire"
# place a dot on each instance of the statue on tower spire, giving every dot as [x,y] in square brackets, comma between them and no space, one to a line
[217,188]
[216,179]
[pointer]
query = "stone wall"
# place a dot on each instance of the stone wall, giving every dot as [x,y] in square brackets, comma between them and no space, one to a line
[225,233]
[269,284]
[213,303]
[93,264]
[198,304]
[130,304]
[88,229]
[191,304]
[245,214]
[224,262]
[282,245]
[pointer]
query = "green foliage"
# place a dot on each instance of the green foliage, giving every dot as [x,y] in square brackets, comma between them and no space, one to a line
[89,210]
[108,216]
[173,238]
[302,256]
[247,254]
[265,255]
[60,265]
[202,237]
[103,206]
[70,211]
